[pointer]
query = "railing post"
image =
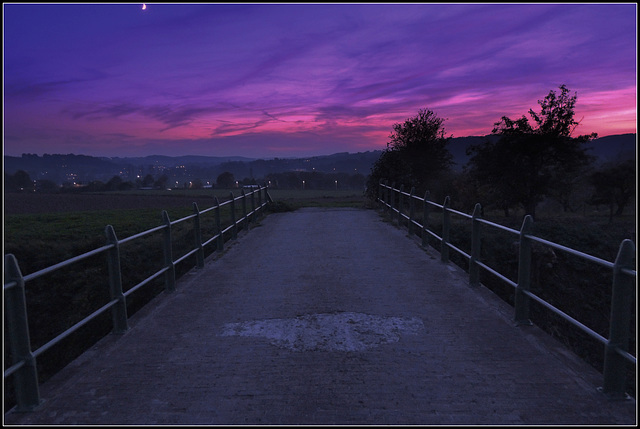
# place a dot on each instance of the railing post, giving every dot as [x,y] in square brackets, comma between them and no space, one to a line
[474,268]
[119,311]
[244,209]
[234,230]
[267,197]
[621,299]
[197,237]
[425,220]
[220,240]
[15,307]
[400,205]
[253,207]
[170,274]
[384,196]
[387,197]
[392,199]
[444,248]
[259,202]
[259,194]
[521,300]
[411,210]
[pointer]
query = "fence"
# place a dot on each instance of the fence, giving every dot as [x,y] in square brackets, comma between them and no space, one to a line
[623,274]
[24,368]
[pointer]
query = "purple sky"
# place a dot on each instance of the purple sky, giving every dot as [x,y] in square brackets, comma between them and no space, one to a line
[269,80]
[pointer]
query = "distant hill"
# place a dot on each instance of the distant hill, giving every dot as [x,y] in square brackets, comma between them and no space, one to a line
[172,161]
[458,148]
[82,168]
[614,148]
[61,168]
[605,149]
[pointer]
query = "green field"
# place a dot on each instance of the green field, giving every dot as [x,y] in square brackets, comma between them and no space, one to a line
[42,239]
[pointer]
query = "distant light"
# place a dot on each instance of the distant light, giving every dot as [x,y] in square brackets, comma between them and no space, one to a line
[144,6]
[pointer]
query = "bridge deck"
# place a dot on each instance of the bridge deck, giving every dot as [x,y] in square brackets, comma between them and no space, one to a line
[326,316]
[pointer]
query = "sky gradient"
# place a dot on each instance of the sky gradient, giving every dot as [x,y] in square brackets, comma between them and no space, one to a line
[279,80]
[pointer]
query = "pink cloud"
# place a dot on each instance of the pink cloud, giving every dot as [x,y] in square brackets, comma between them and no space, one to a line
[260,78]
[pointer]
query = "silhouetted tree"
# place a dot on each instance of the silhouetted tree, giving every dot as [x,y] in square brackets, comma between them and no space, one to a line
[95,186]
[126,186]
[614,183]
[47,186]
[390,167]
[571,189]
[148,181]
[524,162]
[226,180]
[416,154]
[423,146]
[20,181]
[114,183]
[161,183]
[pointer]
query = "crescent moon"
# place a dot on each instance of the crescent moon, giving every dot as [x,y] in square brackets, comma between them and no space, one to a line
[144,6]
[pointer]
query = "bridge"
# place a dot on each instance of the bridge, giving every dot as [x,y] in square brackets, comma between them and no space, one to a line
[326,316]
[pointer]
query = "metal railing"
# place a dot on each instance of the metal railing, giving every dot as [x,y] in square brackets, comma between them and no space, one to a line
[623,274]
[24,367]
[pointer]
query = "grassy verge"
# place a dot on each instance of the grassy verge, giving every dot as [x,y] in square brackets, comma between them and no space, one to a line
[318,198]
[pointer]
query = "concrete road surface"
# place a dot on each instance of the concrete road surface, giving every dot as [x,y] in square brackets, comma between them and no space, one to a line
[327,316]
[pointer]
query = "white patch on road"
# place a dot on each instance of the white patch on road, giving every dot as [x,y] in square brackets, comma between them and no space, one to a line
[328,332]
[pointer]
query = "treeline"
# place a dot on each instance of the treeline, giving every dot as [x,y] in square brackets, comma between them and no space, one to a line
[82,169]
[22,182]
[521,165]
[316,180]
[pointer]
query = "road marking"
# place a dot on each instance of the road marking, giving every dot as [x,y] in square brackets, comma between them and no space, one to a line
[344,331]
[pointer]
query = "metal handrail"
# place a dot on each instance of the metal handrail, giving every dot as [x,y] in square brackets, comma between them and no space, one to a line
[574,252]
[24,365]
[568,318]
[73,328]
[497,225]
[66,263]
[150,278]
[623,274]
[468,216]
[142,234]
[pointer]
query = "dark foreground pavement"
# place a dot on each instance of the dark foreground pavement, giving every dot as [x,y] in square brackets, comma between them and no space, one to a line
[326,316]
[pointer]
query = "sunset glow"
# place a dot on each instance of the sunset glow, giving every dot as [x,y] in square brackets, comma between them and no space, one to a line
[264,80]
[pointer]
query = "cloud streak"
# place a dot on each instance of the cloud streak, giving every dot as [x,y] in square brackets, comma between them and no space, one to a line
[304,78]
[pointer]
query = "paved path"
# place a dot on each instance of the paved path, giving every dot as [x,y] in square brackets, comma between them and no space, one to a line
[325,316]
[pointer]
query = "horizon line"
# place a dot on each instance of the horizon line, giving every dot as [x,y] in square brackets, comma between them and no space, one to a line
[254,157]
